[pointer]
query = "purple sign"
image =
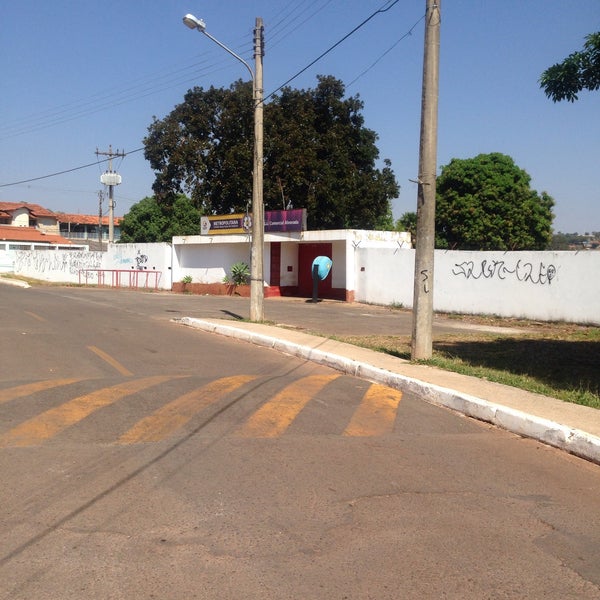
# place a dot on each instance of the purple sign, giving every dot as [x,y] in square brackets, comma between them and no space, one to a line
[285,220]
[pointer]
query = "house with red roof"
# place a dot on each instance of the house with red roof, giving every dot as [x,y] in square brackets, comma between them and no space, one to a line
[47,222]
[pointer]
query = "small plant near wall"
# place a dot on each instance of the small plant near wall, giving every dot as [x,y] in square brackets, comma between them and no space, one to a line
[240,274]
[186,279]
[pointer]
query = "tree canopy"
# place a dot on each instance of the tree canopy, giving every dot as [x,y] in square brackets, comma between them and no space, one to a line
[486,203]
[318,155]
[148,221]
[579,71]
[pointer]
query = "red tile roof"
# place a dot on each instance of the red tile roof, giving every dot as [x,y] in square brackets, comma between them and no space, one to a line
[9,233]
[34,209]
[85,219]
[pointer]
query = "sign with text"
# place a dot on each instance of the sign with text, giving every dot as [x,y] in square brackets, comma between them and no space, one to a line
[285,220]
[225,224]
[275,220]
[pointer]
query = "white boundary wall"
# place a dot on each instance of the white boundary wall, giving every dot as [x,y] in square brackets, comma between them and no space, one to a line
[58,266]
[141,257]
[64,266]
[547,286]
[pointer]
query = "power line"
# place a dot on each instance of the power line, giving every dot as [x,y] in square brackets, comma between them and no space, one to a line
[65,171]
[316,60]
[387,6]
[407,34]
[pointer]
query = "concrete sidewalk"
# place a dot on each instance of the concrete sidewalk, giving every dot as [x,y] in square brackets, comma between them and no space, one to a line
[570,427]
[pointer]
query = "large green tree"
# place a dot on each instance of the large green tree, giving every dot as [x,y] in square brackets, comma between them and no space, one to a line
[486,203]
[150,221]
[318,155]
[579,71]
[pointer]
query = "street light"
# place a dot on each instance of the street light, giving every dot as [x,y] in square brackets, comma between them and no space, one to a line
[257,292]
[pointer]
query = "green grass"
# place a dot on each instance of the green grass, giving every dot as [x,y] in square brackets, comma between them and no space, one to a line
[557,360]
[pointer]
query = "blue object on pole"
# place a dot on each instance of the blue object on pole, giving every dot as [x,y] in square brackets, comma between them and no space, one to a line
[320,269]
[323,266]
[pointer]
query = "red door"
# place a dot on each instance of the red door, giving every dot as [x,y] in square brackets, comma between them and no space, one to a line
[306,255]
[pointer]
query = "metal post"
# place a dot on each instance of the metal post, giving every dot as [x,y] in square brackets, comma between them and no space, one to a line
[421,345]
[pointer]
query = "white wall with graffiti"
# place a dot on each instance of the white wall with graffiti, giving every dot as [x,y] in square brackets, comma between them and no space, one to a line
[548,286]
[148,263]
[123,265]
[59,266]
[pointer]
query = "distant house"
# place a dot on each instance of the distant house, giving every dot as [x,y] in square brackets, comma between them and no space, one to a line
[23,214]
[79,227]
[88,227]
[29,238]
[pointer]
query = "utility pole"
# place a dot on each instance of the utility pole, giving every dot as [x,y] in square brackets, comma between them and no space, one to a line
[100,200]
[421,344]
[257,290]
[110,178]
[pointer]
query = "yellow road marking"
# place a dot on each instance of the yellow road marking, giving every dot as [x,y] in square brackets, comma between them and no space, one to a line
[274,417]
[54,420]
[35,316]
[111,361]
[177,413]
[376,413]
[31,388]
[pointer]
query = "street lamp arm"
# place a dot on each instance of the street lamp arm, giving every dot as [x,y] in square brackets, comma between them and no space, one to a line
[258,217]
[216,41]
[194,23]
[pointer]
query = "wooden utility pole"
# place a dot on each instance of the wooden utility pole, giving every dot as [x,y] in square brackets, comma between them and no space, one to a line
[421,345]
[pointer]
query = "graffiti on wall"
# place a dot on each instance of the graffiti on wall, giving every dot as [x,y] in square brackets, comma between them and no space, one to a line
[124,257]
[538,273]
[140,260]
[46,262]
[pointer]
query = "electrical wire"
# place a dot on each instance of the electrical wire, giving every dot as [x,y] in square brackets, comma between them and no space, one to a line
[407,34]
[331,48]
[287,19]
[93,164]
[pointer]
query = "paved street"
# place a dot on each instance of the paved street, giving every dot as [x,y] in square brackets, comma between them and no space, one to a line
[143,459]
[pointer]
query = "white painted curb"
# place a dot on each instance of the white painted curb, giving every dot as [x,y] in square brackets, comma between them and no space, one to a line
[549,432]
[15,282]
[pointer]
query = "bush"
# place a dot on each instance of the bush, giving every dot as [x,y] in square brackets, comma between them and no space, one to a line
[240,274]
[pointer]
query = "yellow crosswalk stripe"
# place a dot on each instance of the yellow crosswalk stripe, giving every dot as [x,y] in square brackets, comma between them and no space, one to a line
[273,418]
[174,415]
[31,388]
[376,413]
[113,362]
[54,420]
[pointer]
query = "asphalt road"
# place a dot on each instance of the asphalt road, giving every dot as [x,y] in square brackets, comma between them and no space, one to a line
[142,459]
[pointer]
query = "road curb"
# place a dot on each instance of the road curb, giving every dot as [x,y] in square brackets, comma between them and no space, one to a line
[14,282]
[569,439]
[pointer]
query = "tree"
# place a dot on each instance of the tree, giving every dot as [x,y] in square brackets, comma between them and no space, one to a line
[148,221]
[486,203]
[317,155]
[579,71]
[408,222]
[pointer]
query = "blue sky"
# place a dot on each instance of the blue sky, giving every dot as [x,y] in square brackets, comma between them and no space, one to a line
[79,76]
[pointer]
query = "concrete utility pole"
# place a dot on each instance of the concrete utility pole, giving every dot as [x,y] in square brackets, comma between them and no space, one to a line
[100,200]
[257,290]
[421,345]
[110,178]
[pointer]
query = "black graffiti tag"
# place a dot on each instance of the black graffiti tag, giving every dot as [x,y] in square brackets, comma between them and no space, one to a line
[140,259]
[540,274]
